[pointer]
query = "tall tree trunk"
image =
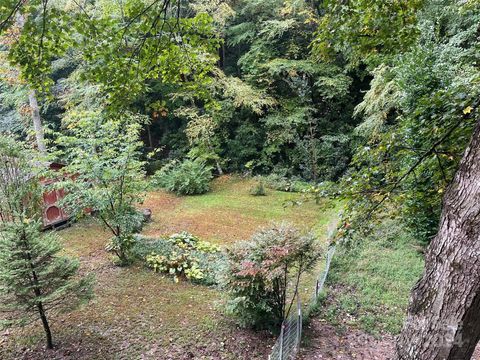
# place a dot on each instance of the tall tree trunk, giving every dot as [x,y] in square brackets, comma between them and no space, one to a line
[443,319]
[37,121]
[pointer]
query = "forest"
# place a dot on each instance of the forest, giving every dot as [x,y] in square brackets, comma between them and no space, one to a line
[240,179]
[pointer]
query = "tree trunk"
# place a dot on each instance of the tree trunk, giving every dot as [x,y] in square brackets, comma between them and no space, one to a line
[37,122]
[32,99]
[443,320]
[45,324]
[219,168]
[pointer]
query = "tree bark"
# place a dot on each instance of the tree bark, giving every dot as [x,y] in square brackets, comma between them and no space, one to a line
[37,121]
[443,320]
[46,326]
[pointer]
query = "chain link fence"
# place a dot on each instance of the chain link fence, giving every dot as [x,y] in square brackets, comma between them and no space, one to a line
[288,343]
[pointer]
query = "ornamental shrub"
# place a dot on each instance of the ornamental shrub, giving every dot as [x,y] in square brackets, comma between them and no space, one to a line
[260,274]
[190,177]
[183,256]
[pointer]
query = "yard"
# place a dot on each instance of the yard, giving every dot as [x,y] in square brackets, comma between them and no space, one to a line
[138,314]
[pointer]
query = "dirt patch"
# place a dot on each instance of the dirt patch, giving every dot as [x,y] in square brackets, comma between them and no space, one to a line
[324,341]
[218,225]
[159,201]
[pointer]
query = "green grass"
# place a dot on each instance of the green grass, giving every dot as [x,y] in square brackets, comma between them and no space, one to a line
[229,213]
[373,281]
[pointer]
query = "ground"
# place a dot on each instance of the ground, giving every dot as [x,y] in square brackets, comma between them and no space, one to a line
[138,314]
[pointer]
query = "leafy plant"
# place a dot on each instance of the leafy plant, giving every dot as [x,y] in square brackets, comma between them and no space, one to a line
[282,183]
[104,153]
[189,177]
[183,256]
[263,274]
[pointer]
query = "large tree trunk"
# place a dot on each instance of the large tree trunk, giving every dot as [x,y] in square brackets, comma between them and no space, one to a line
[443,319]
[37,121]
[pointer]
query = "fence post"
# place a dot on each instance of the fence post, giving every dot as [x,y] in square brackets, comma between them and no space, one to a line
[299,323]
[281,342]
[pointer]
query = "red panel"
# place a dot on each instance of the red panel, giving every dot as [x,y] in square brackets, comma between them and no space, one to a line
[53,214]
[50,198]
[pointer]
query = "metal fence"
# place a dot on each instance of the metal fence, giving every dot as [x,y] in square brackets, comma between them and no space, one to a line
[288,343]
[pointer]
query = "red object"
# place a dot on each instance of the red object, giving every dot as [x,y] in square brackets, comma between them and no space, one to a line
[52,213]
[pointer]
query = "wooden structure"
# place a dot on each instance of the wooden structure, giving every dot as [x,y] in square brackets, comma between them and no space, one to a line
[53,215]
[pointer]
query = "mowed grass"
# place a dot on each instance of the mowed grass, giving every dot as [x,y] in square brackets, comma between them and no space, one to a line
[138,314]
[229,213]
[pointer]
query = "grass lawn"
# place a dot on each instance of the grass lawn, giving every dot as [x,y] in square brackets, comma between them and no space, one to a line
[138,314]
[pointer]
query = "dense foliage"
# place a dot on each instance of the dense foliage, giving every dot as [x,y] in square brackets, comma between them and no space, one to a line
[266,106]
[189,177]
[418,116]
[182,256]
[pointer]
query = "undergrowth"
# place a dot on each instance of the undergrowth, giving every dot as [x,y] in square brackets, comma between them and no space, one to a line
[370,284]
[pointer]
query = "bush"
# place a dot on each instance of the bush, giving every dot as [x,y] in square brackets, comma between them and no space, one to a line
[258,189]
[183,256]
[153,166]
[282,183]
[189,177]
[260,273]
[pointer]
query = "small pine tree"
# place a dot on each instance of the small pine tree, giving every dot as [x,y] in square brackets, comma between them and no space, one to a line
[34,279]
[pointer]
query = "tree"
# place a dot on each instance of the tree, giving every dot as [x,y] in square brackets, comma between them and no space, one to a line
[11,75]
[263,274]
[34,279]
[104,154]
[420,112]
[444,315]
[366,30]
[268,41]
[37,121]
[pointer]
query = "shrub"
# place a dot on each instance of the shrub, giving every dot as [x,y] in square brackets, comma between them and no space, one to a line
[183,256]
[258,189]
[189,177]
[261,272]
[281,183]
